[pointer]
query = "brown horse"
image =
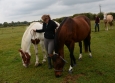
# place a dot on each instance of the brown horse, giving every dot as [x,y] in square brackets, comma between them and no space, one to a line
[70,31]
[108,20]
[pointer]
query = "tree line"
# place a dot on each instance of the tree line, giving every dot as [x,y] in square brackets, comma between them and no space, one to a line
[91,16]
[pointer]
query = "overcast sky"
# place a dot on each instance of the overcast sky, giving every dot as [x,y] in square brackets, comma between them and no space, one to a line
[32,10]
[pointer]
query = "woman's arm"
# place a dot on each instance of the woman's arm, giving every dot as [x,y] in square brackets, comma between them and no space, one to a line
[40,31]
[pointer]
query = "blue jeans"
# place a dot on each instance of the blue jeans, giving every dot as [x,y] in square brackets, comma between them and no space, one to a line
[96,26]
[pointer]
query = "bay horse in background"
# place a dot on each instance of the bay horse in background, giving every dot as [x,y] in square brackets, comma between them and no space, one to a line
[70,31]
[29,37]
[108,20]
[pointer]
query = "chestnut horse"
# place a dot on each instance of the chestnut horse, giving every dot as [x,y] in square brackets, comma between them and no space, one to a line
[70,31]
[108,20]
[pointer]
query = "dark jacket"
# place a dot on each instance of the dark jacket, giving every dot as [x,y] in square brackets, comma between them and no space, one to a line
[97,20]
[49,29]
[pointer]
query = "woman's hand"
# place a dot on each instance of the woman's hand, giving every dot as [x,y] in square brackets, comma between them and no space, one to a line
[34,30]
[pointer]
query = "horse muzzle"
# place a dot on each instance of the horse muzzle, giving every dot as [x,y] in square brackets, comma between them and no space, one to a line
[58,74]
[25,65]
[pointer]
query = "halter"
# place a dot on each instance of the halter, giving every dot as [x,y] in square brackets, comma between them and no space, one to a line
[63,60]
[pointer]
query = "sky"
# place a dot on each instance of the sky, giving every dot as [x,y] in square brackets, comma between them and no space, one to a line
[32,10]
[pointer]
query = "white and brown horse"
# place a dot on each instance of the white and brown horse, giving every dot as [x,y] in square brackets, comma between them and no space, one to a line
[31,37]
[108,20]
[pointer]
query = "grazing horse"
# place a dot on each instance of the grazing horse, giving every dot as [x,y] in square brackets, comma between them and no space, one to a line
[108,20]
[29,37]
[70,31]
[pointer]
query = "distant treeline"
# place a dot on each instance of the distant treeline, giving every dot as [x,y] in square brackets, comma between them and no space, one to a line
[89,15]
[25,23]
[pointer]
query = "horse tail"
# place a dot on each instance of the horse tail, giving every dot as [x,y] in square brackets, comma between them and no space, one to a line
[87,42]
[87,39]
[88,21]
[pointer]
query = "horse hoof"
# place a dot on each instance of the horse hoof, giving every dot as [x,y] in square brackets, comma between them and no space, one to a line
[90,56]
[70,71]
[25,65]
[43,62]
[38,64]
[74,65]
[79,58]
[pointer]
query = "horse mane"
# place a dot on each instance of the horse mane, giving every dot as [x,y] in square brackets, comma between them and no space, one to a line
[56,35]
[29,28]
[69,22]
[27,36]
[62,24]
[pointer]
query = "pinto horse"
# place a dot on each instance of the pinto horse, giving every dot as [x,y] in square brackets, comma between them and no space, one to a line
[70,31]
[29,37]
[108,20]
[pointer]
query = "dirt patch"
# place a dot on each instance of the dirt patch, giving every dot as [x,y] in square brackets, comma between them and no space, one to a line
[71,78]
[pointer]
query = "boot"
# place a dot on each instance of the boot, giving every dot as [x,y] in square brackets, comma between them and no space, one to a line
[49,63]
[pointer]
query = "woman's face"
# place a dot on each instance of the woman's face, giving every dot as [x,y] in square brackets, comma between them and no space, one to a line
[46,20]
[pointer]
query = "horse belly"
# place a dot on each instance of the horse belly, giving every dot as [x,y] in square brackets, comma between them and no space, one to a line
[109,18]
[82,34]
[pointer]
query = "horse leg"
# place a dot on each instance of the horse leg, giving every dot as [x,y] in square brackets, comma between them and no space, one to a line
[73,60]
[89,50]
[80,46]
[87,45]
[111,23]
[88,41]
[43,51]
[36,54]
[107,26]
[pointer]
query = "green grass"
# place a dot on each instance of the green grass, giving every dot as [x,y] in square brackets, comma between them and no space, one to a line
[98,69]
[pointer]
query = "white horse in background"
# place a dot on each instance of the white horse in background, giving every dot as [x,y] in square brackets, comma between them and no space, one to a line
[29,37]
[108,20]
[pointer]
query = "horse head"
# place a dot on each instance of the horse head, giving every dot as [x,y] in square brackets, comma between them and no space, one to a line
[58,62]
[25,58]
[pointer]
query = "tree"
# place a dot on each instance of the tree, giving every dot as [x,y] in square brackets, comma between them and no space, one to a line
[5,24]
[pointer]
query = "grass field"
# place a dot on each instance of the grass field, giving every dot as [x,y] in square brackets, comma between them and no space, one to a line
[98,69]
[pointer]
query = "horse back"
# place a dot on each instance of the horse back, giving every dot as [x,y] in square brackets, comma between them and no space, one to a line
[82,27]
[74,29]
[109,18]
[29,34]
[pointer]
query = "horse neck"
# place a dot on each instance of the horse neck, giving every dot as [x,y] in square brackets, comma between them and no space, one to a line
[26,42]
[26,39]
[60,50]
[29,34]
[59,46]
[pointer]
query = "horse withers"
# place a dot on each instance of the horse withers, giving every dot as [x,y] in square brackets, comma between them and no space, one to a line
[70,31]
[108,20]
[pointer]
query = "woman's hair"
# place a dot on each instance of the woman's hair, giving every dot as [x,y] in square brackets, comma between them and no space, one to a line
[44,17]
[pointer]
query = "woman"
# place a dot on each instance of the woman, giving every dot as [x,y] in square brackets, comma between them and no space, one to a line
[49,27]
